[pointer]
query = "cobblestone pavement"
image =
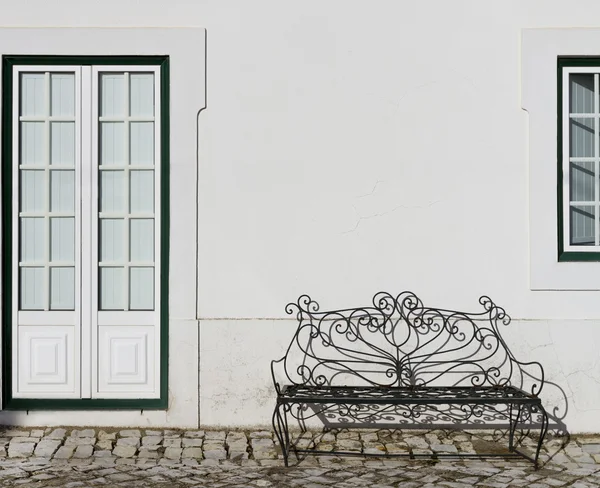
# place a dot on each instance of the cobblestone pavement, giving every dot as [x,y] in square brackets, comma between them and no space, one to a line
[150,458]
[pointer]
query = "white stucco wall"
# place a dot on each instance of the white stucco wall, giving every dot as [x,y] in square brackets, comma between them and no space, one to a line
[352,146]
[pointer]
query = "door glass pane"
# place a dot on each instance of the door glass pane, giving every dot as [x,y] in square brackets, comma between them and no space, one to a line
[62,87]
[126,200]
[32,143]
[111,240]
[62,142]
[112,191]
[142,191]
[62,191]
[141,240]
[111,288]
[33,191]
[141,94]
[582,137]
[582,93]
[112,95]
[33,101]
[32,289]
[112,148]
[62,243]
[62,288]
[48,238]
[141,289]
[142,143]
[583,225]
[33,240]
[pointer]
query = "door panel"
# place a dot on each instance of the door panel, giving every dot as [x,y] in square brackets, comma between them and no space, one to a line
[46,324]
[125,312]
[46,361]
[126,360]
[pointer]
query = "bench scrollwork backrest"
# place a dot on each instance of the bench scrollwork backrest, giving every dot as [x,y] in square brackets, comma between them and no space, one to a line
[398,342]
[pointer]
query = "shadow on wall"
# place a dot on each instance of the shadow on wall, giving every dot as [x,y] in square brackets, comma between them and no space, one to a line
[398,366]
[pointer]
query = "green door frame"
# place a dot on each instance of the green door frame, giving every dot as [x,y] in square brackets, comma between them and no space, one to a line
[10,403]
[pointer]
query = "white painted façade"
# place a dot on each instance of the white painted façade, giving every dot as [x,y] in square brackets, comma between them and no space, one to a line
[250,152]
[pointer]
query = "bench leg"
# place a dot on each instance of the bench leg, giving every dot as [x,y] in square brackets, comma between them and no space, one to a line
[543,432]
[513,426]
[280,427]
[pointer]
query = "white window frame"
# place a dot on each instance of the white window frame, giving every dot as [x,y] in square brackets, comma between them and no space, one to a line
[88,318]
[566,159]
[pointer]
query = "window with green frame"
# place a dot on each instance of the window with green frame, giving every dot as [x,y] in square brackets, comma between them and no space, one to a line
[578,143]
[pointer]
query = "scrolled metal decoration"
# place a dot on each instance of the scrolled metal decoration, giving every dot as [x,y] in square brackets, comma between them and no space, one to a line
[398,362]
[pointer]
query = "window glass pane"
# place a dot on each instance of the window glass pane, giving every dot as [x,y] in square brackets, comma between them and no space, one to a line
[111,240]
[62,191]
[142,143]
[141,94]
[582,182]
[111,288]
[112,191]
[62,243]
[583,225]
[32,94]
[62,87]
[112,90]
[141,289]
[33,240]
[582,137]
[33,191]
[141,241]
[62,288]
[581,94]
[112,147]
[32,289]
[32,143]
[142,191]
[62,143]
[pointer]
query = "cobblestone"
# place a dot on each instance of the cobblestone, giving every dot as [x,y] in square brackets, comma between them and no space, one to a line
[195,433]
[47,447]
[130,433]
[129,441]
[84,451]
[173,452]
[170,442]
[16,433]
[74,458]
[21,449]
[151,440]
[192,442]
[124,451]
[64,452]
[108,436]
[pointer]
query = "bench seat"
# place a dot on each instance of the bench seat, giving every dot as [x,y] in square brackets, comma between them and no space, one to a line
[429,395]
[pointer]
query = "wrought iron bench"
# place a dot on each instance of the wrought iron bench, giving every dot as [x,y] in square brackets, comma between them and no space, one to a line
[405,364]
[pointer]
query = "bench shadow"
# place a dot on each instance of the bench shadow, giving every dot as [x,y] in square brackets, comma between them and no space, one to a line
[487,430]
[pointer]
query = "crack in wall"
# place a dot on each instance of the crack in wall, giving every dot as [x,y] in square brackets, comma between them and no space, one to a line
[382,214]
[567,384]
[372,191]
[413,89]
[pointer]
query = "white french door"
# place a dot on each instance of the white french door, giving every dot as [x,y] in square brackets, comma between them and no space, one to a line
[86,232]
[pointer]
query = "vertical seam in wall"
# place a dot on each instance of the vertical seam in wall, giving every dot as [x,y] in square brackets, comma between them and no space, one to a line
[526,136]
[197,216]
